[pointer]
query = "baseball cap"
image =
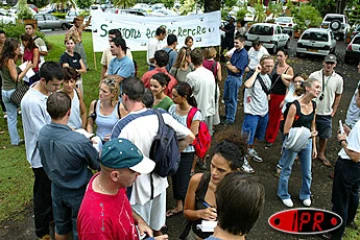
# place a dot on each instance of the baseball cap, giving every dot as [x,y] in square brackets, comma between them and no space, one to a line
[78,18]
[297,138]
[120,153]
[330,58]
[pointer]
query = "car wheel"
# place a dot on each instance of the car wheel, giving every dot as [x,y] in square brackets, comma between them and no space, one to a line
[64,26]
[335,25]
[287,45]
[274,49]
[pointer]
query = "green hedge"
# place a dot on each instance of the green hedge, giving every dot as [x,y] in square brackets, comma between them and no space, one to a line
[59,14]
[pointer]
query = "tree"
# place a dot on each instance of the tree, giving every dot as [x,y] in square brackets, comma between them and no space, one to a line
[23,10]
[124,3]
[260,14]
[84,3]
[211,5]
[276,9]
[168,3]
[324,6]
[39,3]
[64,3]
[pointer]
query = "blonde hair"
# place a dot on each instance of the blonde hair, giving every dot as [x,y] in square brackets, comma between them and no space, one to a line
[181,58]
[307,83]
[113,87]
[209,52]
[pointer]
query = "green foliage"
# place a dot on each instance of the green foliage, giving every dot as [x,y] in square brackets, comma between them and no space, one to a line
[168,3]
[187,6]
[354,15]
[84,13]
[291,8]
[324,6]
[230,3]
[241,13]
[260,14]
[39,3]
[224,12]
[307,12]
[276,9]
[59,14]
[124,3]
[23,10]
[64,2]
[84,3]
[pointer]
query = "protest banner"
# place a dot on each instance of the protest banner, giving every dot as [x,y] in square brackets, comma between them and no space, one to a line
[137,30]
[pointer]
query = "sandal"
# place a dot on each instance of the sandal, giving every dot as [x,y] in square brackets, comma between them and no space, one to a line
[326,162]
[172,213]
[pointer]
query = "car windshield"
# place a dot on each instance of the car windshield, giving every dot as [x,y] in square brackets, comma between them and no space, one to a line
[333,18]
[316,36]
[356,40]
[284,20]
[261,30]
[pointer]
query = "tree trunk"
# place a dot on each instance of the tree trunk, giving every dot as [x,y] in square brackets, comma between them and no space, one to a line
[211,5]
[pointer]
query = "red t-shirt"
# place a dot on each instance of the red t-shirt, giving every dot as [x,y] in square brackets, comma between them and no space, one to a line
[29,56]
[147,76]
[105,217]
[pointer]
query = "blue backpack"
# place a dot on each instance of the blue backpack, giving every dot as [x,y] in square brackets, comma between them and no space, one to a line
[164,150]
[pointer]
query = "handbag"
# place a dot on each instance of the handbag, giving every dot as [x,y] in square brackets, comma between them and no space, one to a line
[18,94]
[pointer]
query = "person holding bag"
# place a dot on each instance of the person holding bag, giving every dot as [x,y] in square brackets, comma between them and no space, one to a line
[31,54]
[301,113]
[10,79]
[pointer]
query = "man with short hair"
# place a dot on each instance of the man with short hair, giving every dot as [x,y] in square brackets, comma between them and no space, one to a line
[39,42]
[148,195]
[161,60]
[202,82]
[75,33]
[171,50]
[121,66]
[105,212]
[353,112]
[107,56]
[237,215]
[153,45]
[65,156]
[236,67]
[34,117]
[256,108]
[255,53]
[327,103]
[229,29]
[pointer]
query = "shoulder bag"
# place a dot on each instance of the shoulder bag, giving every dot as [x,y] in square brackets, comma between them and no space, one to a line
[20,90]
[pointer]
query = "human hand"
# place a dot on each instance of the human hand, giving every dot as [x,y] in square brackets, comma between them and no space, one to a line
[258,68]
[341,136]
[314,153]
[208,214]
[314,133]
[145,229]
[28,65]
[162,237]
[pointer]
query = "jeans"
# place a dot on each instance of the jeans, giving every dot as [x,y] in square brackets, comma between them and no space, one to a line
[11,111]
[254,126]
[345,193]
[231,90]
[42,202]
[305,165]
[1,101]
[181,178]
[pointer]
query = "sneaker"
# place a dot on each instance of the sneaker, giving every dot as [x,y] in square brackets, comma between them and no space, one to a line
[254,155]
[268,145]
[287,202]
[246,167]
[46,237]
[307,202]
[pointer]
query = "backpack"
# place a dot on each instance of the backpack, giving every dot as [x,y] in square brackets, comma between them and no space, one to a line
[202,140]
[164,150]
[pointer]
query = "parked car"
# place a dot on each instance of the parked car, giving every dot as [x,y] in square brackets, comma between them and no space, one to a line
[353,50]
[355,31]
[316,41]
[131,11]
[270,35]
[163,13]
[48,21]
[338,23]
[287,23]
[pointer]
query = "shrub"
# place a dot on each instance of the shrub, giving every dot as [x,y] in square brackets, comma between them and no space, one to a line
[307,12]
[59,14]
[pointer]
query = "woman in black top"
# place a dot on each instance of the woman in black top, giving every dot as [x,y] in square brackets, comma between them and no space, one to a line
[301,113]
[278,92]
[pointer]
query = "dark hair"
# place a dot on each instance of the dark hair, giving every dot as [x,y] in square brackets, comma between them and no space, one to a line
[30,24]
[70,73]
[2,32]
[240,200]
[120,42]
[68,39]
[133,88]
[51,70]
[161,57]
[188,38]
[232,146]
[115,32]
[184,90]
[256,43]
[285,51]
[240,38]
[307,83]
[58,104]
[30,42]
[148,98]
[160,30]
[171,39]
[161,78]
[8,51]
[197,57]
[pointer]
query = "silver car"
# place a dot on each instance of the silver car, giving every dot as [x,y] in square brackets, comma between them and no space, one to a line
[48,21]
[316,41]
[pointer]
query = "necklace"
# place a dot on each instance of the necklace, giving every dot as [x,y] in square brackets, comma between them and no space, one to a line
[101,188]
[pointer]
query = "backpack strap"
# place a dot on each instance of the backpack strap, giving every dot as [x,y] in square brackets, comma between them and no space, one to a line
[94,114]
[190,116]
[263,86]
[118,110]
[77,94]
[213,69]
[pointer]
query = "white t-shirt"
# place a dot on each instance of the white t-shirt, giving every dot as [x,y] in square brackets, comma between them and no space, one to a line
[353,141]
[289,96]
[152,47]
[202,82]
[141,132]
[353,112]
[333,85]
[255,56]
[255,99]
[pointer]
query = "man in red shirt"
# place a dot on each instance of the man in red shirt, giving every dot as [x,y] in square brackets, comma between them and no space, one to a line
[105,212]
[161,60]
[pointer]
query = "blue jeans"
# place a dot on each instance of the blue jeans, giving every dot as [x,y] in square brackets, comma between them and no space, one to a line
[11,111]
[345,193]
[254,126]
[305,165]
[231,90]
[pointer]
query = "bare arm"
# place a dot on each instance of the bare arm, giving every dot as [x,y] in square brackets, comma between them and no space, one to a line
[186,141]
[13,72]
[195,127]
[143,227]
[354,156]
[90,122]
[336,104]
[86,24]
[103,72]
[82,109]
[83,68]
[289,119]
[219,76]
[286,78]
[250,82]
[116,77]
[36,57]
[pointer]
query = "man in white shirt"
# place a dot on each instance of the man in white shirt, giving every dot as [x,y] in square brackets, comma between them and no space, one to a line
[327,103]
[107,56]
[154,45]
[148,195]
[255,53]
[353,112]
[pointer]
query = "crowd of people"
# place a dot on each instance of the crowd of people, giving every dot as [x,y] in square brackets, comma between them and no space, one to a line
[126,199]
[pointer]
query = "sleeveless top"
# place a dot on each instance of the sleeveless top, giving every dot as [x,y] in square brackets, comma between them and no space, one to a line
[278,87]
[208,64]
[105,124]
[75,114]
[302,119]
[7,82]
[28,56]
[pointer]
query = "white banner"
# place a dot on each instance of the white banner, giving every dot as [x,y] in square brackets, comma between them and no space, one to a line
[137,30]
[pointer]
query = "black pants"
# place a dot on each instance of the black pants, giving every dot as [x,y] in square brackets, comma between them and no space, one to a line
[1,101]
[42,202]
[181,178]
[345,193]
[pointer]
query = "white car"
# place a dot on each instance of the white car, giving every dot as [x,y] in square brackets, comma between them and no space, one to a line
[271,36]
[338,23]
[316,41]
[163,13]
[5,17]
[353,50]
[287,23]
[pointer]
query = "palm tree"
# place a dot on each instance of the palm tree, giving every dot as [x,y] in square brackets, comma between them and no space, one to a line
[124,3]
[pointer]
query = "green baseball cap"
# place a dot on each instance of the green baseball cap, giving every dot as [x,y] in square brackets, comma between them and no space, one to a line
[120,153]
